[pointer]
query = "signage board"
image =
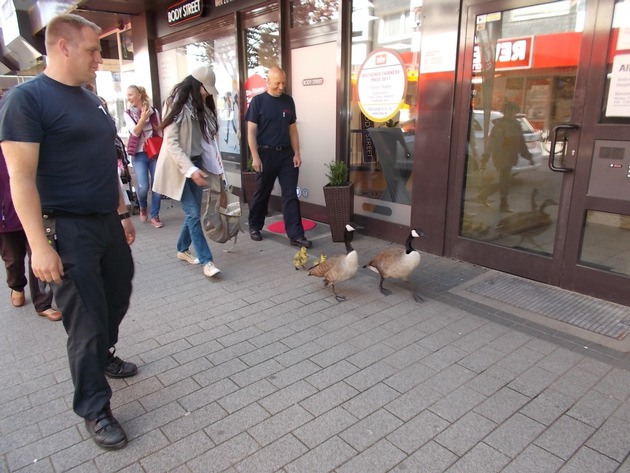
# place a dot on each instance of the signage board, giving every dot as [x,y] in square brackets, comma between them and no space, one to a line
[619,94]
[382,85]
[184,11]
[511,53]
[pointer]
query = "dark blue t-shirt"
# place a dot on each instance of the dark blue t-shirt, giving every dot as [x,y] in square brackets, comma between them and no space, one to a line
[273,115]
[77,169]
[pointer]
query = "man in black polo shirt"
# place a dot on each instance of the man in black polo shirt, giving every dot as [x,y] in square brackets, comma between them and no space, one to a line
[274,142]
[59,147]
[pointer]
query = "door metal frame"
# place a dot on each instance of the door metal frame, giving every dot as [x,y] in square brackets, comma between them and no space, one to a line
[560,269]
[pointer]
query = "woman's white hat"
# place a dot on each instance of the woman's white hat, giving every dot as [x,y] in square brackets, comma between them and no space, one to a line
[205,75]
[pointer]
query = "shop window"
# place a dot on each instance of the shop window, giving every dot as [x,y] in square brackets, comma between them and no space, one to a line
[604,245]
[262,45]
[262,52]
[313,12]
[383,142]
[116,72]
[219,53]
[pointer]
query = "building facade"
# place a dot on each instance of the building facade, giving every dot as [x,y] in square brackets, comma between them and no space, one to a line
[413,95]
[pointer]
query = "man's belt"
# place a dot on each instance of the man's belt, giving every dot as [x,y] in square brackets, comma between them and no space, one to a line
[275,148]
[48,213]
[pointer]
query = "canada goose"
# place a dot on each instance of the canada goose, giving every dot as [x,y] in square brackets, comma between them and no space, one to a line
[397,263]
[339,267]
[528,224]
[300,258]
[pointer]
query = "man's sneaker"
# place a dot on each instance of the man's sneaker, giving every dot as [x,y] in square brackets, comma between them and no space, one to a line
[143,215]
[155,221]
[210,269]
[187,256]
[117,368]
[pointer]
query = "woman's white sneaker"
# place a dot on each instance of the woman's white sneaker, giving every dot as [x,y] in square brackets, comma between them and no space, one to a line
[187,256]
[210,269]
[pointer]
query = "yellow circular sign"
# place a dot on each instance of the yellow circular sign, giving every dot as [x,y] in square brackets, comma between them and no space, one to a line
[382,85]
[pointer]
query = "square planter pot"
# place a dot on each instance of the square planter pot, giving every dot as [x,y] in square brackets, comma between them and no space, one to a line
[248,184]
[340,205]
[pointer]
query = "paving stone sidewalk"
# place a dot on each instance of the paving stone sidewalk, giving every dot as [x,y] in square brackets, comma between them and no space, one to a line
[262,370]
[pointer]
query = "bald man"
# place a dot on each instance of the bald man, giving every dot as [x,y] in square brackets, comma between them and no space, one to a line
[273,139]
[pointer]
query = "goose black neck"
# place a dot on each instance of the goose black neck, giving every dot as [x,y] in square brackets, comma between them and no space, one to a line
[347,239]
[408,245]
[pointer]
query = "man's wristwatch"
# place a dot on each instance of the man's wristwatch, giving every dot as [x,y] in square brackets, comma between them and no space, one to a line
[124,216]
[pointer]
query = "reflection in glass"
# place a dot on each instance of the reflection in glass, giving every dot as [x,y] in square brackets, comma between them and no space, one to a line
[262,44]
[220,54]
[605,245]
[524,67]
[313,12]
[382,153]
[116,74]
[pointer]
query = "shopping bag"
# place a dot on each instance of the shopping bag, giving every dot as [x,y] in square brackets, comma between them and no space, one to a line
[152,146]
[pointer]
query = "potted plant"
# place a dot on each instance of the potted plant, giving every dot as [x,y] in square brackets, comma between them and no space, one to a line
[248,181]
[339,198]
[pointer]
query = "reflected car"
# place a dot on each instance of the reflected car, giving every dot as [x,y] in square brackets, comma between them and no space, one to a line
[533,139]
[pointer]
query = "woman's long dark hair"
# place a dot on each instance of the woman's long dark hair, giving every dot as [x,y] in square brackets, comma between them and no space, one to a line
[189,87]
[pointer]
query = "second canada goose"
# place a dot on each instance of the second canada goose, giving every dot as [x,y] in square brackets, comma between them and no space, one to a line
[335,269]
[397,263]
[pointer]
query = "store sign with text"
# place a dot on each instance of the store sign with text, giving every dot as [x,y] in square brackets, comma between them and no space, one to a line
[618,104]
[382,85]
[512,53]
[184,11]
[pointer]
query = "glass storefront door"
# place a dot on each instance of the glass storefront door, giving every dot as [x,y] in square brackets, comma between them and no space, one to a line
[544,184]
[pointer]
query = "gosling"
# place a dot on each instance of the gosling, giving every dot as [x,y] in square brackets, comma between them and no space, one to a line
[397,263]
[300,259]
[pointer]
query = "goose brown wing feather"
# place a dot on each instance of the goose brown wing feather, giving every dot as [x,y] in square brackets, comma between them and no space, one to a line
[322,268]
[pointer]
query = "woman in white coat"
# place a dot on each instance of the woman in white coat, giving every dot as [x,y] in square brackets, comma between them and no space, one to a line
[189,152]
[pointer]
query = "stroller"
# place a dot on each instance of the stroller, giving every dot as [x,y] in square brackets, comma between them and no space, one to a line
[125,177]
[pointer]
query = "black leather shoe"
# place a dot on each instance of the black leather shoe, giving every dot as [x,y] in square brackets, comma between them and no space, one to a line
[106,431]
[255,235]
[302,241]
[117,368]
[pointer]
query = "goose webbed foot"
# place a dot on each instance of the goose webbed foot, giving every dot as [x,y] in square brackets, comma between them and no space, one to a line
[385,292]
[337,296]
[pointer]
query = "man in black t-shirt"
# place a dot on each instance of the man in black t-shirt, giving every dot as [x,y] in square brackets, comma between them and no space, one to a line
[274,142]
[59,147]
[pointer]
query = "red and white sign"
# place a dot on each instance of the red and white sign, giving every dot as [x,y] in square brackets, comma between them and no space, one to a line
[255,85]
[512,53]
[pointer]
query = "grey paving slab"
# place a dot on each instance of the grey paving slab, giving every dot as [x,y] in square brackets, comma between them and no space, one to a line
[431,458]
[564,437]
[323,458]
[252,373]
[480,458]
[370,430]
[534,460]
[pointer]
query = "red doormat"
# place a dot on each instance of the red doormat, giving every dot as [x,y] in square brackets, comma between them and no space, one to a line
[278,227]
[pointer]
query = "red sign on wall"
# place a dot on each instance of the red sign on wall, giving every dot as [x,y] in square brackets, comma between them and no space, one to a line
[511,53]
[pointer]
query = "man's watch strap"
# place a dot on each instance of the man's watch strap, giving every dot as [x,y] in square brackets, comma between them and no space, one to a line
[125,215]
